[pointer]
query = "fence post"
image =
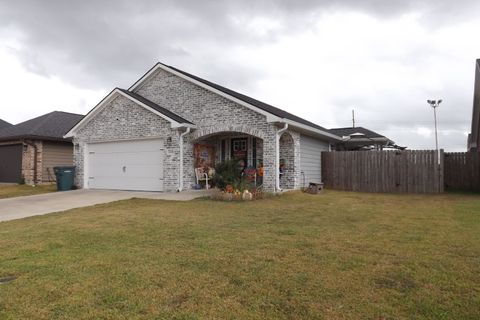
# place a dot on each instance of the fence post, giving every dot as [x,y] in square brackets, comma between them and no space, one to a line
[441,172]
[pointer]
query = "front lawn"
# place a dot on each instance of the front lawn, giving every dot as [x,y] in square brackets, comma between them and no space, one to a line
[19,190]
[298,256]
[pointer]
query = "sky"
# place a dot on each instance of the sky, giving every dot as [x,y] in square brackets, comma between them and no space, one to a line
[316,59]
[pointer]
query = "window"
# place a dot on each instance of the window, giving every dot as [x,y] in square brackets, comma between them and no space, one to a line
[239,145]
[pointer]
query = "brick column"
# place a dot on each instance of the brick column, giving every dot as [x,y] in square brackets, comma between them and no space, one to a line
[28,162]
[269,163]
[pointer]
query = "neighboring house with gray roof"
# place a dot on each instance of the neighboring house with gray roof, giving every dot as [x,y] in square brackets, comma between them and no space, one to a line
[29,150]
[359,138]
[168,123]
[4,124]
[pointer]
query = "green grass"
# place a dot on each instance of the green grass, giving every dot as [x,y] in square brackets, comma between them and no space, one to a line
[19,190]
[298,256]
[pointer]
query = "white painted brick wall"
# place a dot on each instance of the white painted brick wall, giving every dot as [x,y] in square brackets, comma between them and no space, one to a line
[122,119]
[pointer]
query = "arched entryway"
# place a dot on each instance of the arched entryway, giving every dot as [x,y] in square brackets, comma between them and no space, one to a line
[211,148]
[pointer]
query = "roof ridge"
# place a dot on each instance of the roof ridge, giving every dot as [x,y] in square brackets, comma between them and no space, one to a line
[237,95]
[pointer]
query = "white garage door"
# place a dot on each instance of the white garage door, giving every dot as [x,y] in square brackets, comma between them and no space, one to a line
[126,165]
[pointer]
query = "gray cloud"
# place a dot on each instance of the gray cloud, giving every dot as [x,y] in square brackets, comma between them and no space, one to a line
[102,44]
[97,43]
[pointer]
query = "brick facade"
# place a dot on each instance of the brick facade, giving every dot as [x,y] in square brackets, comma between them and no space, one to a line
[287,161]
[28,162]
[213,115]
[122,119]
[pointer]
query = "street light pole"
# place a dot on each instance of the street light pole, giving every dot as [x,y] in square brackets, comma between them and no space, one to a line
[434,104]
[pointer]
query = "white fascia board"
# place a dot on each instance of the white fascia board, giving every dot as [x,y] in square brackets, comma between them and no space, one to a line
[92,113]
[315,131]
[270,117]
[109,98]
[174,124]
[204,86]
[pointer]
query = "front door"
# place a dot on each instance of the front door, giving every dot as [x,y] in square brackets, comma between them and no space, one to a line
[239,150]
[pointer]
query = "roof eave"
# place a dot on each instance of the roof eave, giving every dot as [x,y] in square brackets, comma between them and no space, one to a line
[270,116]
[114,93]
[310,130]
[34,137]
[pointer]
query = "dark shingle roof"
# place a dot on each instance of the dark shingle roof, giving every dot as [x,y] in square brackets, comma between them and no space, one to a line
[259,104]
[50,126]
[155,106]
[4,124]
[345,132]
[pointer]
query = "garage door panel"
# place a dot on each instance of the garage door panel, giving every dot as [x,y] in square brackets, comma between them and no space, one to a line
[118,183]
[126,165]
[137,158]
[130,171]
[127,146]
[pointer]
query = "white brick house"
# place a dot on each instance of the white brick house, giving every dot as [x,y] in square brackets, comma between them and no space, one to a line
[144,138]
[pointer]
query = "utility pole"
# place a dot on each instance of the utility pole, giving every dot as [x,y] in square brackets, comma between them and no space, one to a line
[353,117]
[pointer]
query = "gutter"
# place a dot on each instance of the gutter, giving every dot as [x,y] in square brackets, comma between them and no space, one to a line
[180,170]
[310,129]
[277,156]
[34,160]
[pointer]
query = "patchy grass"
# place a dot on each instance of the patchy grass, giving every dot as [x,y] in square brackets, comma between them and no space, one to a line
[298,256]
[19,190]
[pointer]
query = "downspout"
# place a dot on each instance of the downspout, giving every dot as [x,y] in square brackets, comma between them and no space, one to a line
[32,144]
[277,156]
[180,171]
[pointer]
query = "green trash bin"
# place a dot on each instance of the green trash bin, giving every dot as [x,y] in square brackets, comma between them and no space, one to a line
[65,177]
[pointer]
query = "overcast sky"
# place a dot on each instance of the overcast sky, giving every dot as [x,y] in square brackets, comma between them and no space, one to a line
[317,59]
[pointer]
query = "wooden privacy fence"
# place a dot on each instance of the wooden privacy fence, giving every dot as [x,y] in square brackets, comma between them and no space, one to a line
[384,171]
[462,171]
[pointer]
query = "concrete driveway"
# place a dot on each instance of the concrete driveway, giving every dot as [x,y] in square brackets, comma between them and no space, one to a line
[21,207]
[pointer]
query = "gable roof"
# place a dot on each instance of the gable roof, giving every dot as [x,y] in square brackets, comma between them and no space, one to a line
[259,106]
[346,132]
[175,120]
[50,126]
[155,106]
[4,124]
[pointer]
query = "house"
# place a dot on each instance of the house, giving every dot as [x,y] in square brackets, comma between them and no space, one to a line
[359,138]
[474,136]
[30,150]
[4,124]
[169,122]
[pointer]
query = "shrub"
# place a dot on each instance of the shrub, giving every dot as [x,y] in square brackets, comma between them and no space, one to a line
[228,173]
